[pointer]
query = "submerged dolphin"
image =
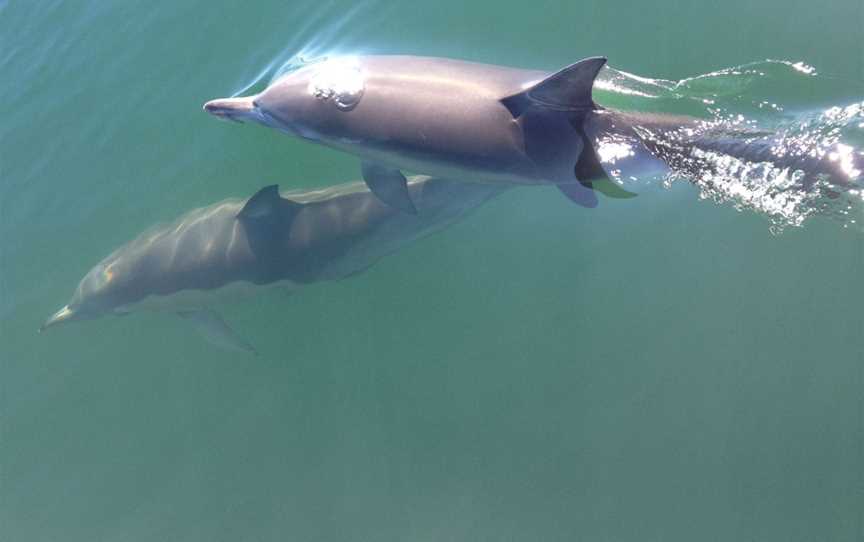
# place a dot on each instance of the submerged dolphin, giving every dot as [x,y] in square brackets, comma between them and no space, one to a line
[487,123]
[237,247]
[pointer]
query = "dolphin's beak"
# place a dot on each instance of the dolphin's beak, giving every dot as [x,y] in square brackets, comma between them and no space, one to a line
[63,315]
[237,109]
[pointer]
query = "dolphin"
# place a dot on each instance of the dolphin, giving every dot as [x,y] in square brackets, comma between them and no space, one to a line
[487,123]
[239,247]
[442,117]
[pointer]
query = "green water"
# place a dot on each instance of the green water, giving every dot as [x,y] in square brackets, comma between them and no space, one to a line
[657,369]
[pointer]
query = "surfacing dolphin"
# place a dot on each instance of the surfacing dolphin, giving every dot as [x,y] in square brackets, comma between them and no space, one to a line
[442,117]
[493,124]
[239,247]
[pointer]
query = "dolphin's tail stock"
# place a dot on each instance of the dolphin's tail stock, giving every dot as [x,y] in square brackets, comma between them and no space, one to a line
[835,164]
[570,91]
[711,152]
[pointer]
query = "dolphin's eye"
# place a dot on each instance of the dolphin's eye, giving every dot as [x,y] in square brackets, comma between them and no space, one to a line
[339,80]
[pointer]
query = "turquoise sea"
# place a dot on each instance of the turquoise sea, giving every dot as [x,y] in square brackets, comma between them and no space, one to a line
[684,366]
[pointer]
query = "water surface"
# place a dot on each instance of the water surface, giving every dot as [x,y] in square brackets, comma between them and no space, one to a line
[658,369]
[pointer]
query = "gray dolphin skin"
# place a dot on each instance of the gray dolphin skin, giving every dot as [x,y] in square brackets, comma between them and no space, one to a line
[239,247]
[492,124]
[442,117]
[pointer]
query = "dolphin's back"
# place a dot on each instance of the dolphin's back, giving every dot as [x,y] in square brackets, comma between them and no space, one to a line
[203,249]
[417,110]
[440,75]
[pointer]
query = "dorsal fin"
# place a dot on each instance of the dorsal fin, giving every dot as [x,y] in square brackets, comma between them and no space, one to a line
[265,202]
[568,89]
[267,219]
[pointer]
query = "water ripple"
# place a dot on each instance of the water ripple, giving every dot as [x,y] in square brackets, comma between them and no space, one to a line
[773,137]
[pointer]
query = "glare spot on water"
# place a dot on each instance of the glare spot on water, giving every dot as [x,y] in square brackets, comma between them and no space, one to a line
[759,143]
[612,151]
[804,68]
[612,86]
[340,80]
[845,156]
